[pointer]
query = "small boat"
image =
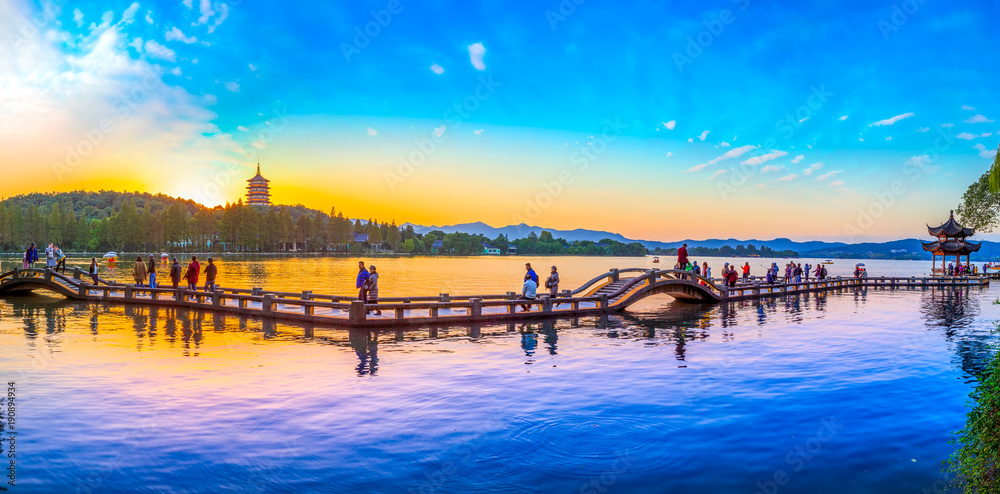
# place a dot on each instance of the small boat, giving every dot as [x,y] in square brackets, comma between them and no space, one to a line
[656,259]
[164,258]
[827,262]
[111,257]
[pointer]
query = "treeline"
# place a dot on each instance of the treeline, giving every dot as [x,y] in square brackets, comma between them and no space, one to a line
[142,222]
[729,251]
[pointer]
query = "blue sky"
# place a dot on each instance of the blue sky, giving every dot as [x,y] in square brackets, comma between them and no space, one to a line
[826,106]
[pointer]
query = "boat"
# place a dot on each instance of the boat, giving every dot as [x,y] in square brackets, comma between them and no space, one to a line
[111,257]
[164,258]
[656,259]
[827,262]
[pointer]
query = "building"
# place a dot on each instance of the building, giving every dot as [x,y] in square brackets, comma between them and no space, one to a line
[258,190]
[490,250]
[512,250]
[951,242]
[437,247]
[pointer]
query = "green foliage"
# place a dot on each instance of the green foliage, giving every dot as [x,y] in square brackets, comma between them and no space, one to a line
[728,251]
[994,174]
[976,463]
[980,207]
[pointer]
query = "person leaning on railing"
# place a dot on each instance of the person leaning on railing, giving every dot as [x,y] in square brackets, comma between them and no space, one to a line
[93,270]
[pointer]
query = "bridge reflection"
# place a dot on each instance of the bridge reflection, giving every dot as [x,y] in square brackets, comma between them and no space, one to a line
[952,312]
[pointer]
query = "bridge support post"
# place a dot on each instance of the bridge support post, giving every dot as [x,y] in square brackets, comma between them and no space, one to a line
[179,295]
[306,294]
[546,303]
[652,276]
[614,275]
[604,302]
[129,295]
[267,306]
[48,275]
[400,312]
[445,298]
[17,273]
[256,291]
[358,312]
[77,273]
[216,298]
[511,295]
[82,289]
[477,307]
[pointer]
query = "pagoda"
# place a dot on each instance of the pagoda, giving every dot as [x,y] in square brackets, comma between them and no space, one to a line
[951,241]
[258,190]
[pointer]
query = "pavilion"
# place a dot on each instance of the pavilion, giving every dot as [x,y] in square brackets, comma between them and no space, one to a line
[951,241]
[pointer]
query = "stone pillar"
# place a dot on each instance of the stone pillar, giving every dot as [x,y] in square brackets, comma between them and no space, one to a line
[614,275]
[477,307]
[217,298]
[358,312]
[604,302]
[546,303]
[267,306]
[307,295]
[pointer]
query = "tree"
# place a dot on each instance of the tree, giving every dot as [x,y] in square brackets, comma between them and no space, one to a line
[980,207]
[395,236]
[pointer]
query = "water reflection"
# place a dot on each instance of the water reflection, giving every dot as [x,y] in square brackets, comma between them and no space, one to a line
[365,345]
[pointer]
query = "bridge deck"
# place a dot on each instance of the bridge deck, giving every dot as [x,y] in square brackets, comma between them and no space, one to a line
[609,292]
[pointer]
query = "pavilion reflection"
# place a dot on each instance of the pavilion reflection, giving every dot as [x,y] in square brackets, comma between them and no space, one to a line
[955,312]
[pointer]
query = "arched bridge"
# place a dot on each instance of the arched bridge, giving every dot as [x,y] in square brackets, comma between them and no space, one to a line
[613,291]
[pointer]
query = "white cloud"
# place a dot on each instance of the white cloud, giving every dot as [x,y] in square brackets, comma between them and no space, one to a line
[813,167]
[977,118]
[798,159]
[372,132]
[439,131]
[437,69]
[923,129]
[723,144]
[149,17]
[106,19]
[837,183]
[137,44]
[888,138]
[669,154]
[732,153]
[233,86]
[967,107]
[788,178]
[843,117]
[129,15]
[253,68]
[772,168]
[175,71]
[205,7]
[861,139]
[476,53]
[890,121]
[690,139]
[242,129]
[157,50]
[803,120]
[756,160]
[968,137]
[946,125]
[188,3]
[828,175]
[985,153]
[259,144]
[78,17]
[703,136]
[175,34]
[670,125]
[716,174]
[478,132]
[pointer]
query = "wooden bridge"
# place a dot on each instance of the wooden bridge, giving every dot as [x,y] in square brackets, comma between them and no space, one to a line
[604,294]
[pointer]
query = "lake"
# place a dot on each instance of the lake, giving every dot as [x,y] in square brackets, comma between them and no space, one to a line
[852,391]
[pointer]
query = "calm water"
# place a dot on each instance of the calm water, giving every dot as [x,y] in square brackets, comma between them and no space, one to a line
[838,392]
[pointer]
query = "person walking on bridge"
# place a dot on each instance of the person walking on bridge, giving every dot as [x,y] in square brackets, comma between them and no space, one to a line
[805,271]
[371,289]
[797,273]
[60,260]
[175,273]
[746,271]
[360,283]
[193,270]
[151,269]
[682,255]
[139,272]
[552,283]
[530,274]
[50,257]
[31,256]
[93,270]
[210,271]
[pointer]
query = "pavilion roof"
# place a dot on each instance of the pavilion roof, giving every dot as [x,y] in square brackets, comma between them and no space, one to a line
[950,228]
[952,247]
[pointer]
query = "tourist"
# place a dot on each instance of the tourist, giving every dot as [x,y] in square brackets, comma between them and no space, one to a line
[50,257]
[31,256]
[822,272]
[60,260]
[191,275]
[864,274]
[746,271]
[797,273]
[371,290]
[788,272]
[360,282]
[139,272]
[706,271]
[732,276]
[210,271]
[25,263]
[552,283]
[682,255]
[175,273]
[805,271]
[725,269]
[528,292]
[769,279]
[93,270]
[695,267]
[530,274]
[819,269]
[151,269]
[951,269]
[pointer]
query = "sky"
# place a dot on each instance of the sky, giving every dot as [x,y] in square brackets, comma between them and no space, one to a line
[849,121]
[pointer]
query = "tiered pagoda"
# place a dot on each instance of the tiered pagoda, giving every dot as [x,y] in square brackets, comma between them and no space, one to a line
[951,242]
[258,190]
